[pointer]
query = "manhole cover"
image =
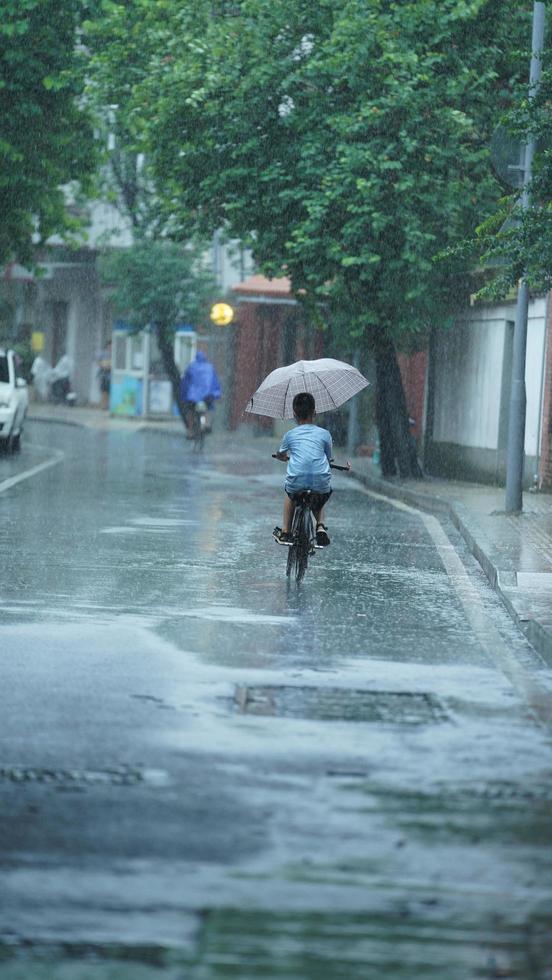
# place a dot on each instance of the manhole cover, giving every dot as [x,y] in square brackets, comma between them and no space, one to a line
[335,704]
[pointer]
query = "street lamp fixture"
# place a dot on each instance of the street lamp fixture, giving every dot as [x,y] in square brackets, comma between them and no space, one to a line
[222,314]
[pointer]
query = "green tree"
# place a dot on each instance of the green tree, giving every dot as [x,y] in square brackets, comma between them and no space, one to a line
[346,141]
[155,282]
[159,284]
[119,51]
[514,242]
[45,134]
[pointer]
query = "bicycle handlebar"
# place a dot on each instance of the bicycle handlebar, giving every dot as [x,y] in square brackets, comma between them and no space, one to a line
[333,466]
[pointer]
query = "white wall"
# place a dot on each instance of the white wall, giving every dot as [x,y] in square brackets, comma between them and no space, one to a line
[108,226]
[536,339]
[469,359]
[467,383]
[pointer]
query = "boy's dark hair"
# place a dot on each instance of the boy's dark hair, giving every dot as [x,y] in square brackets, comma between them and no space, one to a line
[303,405]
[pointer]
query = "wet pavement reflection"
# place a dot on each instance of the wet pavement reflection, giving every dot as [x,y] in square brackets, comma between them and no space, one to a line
[386,808]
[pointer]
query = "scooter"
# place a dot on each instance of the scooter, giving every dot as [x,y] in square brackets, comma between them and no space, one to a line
[62,393]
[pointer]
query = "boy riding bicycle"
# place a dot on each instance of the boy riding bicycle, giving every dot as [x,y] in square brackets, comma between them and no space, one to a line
[308,451]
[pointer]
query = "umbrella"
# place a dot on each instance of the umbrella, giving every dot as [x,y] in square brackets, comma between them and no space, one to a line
[331,382]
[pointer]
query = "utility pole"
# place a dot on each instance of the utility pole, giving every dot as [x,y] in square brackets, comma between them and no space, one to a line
[518,400]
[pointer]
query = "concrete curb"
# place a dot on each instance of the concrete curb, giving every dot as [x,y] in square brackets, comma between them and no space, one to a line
[39,418]
[135,427]
[538,635]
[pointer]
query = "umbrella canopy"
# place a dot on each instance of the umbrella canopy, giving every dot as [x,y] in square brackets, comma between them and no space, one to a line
[331,383]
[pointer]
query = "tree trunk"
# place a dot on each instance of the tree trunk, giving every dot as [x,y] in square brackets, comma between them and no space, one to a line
[166,347]
[397,446]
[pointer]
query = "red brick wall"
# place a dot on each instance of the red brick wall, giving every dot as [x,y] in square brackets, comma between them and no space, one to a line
[545,468]
[257,352]
[259,349]
[413,372]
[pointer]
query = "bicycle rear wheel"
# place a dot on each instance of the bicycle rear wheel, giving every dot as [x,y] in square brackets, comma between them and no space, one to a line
[291,566]
[303,543]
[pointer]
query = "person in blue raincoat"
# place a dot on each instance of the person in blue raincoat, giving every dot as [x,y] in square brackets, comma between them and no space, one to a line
[199,383]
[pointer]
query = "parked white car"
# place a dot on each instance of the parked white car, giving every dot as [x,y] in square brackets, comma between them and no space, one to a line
[14,401]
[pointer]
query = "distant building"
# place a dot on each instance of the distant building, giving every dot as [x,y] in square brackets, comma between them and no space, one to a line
[61,304]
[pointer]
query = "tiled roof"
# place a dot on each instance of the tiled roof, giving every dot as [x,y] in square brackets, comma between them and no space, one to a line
[261,286]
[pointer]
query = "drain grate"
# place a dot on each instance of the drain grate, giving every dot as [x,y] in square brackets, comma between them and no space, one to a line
[66,778]
[336,704]
[499,792]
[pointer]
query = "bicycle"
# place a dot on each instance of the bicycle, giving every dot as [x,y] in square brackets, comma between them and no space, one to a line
[303,533]
[303,528]
[199,425]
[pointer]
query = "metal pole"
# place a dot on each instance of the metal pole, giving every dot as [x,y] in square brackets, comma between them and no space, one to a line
[518,399]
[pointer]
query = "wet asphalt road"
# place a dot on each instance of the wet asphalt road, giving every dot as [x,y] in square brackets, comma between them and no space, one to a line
[208,773]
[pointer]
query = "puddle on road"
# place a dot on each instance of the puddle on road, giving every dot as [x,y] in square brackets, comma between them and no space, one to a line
[336,704]
[418,937]
[413,941]
[429,936]
[88,961]
[233,614]
[150,525]
[153,529]
[162,521]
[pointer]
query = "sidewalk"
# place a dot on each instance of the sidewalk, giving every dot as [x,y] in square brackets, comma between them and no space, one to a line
[95,418]
[514,552]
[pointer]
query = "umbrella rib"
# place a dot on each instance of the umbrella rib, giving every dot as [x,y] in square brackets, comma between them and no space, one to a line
[285,398]
[328,392]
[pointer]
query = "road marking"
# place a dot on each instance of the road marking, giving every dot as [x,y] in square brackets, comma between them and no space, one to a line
[537,698]
[27,474]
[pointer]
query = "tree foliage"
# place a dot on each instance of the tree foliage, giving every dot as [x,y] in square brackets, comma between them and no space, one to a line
[158,283]
[45,136]
[347,141]
[119,51]
[516,242]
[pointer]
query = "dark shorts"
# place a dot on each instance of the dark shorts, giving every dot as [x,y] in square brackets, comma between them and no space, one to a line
[318,500]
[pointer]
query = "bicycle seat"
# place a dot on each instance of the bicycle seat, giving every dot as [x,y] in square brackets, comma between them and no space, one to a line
[302,496]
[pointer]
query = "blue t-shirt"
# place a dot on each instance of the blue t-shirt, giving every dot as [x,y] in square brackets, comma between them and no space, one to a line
[310,449]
